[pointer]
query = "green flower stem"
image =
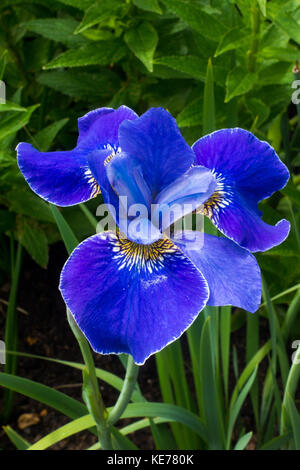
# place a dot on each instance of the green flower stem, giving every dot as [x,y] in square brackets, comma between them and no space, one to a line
[290,389]
[91,393]
[255,22]
[132,371]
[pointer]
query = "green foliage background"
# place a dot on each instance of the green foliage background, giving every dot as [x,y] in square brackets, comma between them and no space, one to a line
[61,58]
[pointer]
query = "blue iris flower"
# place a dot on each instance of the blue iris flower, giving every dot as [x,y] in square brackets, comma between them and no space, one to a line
[138,293]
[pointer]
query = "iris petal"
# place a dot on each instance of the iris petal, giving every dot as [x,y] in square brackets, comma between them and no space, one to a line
[130,298]
[154,141]
[232,273]
[184,195]
[247,170]
[64,178]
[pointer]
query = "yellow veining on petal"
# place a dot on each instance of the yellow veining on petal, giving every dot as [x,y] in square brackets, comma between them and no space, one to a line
[150,258]
[95,188]
[109,158]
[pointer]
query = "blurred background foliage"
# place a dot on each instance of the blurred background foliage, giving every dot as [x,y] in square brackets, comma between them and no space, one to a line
[61,58]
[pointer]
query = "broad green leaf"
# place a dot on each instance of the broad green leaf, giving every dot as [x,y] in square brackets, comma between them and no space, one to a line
[239,82]
[11,107]
[56,29]
[3,59]
[80,4]
[16,438]
[263,6]
[191,115]
[44,394]
[148,5]
[142,40]
[15,122]
[102,11]
[284,20]
[284,54]
[233,39]
[243,441]
[292,192]
[98,53]
[25,202]
[195,16]
[80,84]
[34,240]
[279,73]
[44,138]
[193,66]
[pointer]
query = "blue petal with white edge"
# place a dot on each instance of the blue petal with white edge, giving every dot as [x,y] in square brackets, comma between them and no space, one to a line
[155,142]
[64,177]
[232,273]
[131,298]
[247,171]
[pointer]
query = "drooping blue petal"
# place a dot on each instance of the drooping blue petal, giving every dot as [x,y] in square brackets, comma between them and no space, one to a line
[130,298]
[232,273]
[247,170]
[64,178]
[156,144]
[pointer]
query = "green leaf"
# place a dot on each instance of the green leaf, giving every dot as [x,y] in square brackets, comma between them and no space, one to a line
[292,192]
[148,5]
[7,220]
[243,441]
[192,114]
[284,20]
[98,53]
[15,122]
[236,406]
[68,236]
[25,202]
[43,139]
[209,118]
[294,419]
[80,4]
[34,240]
[142,40]
[193,66]
[79,84]
[16,438]
[276,443]
[56,29]
[259,110]
[44,394]
[239,82]
[284,54]
[11,107]
[103,11]
[211,403]
[197,18]
[233,39]
[167,411]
